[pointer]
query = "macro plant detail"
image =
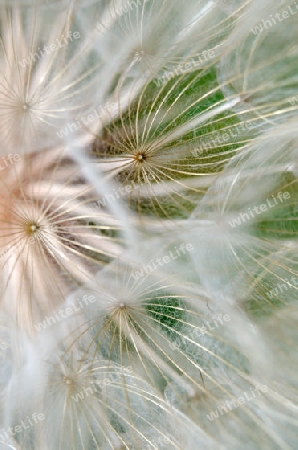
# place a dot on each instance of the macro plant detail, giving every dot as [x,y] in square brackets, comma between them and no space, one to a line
[148,224]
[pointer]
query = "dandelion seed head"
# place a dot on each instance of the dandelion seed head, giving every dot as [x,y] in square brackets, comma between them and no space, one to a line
[108,326]
[32,228]
[41,217]
[139,54]
[67,380]
[141,157]
[122,305]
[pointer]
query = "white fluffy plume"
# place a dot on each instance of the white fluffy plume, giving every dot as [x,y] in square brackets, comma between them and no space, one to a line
[148,224]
